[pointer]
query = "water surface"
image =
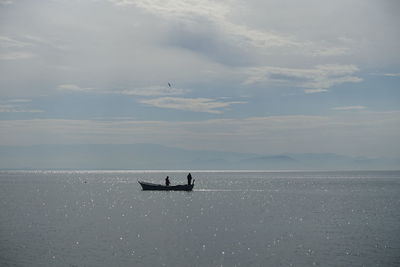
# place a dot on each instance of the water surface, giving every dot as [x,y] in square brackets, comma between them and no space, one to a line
[102,218]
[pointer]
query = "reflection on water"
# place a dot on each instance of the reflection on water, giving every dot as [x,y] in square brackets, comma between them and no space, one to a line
[95,218]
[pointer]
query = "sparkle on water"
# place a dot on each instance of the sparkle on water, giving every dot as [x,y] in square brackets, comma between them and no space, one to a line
[102,218]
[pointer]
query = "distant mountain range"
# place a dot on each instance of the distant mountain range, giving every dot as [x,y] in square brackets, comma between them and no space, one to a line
[158,157]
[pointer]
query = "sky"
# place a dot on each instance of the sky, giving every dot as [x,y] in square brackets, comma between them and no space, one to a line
[254,76]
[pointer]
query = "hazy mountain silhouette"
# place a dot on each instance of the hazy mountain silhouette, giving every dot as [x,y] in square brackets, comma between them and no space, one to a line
[152,156]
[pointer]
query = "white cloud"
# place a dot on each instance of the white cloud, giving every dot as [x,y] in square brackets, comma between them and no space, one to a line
[315,80]
[144,53]
[180,8]
[331,51]
[19,100]
[74,88]
[16,55]
[392,74]
[50,43]
[7,42]
[151,91]
[143,91]
[350,108]
[314,91]
[207,105]
[12,49]
[15,108]
[217,16]
[189,104]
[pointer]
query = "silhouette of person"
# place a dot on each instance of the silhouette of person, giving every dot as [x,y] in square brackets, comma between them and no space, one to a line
[167,181]
[189,178]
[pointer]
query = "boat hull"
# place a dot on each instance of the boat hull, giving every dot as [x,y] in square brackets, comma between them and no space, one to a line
[158,187]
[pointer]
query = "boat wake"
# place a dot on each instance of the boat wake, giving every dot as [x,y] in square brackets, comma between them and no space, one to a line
[229,190]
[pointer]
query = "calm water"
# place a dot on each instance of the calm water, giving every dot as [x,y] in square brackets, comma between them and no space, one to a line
[78,218]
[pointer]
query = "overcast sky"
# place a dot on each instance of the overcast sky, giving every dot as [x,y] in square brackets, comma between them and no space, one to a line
[262,76]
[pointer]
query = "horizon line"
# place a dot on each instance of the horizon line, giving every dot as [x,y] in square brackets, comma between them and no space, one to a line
[184,171]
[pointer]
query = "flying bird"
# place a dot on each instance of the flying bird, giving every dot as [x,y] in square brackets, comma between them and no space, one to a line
[169,85]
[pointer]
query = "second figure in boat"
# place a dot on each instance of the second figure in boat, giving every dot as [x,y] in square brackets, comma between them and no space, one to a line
[167,181]
[189,179]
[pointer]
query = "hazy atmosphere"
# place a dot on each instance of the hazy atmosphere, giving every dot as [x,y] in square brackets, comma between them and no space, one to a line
[258,77]
[199,133]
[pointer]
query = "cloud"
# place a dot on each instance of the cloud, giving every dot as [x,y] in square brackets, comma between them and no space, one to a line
[13,49]
[16,55]
[180,9]
[172,38]
[206,27]
[190,104]
[151,91]
[19,105]
[392,74]
[217,12]
[350,108]
[315,80]
[314,91]
[331,51]
[143,91]
[207,105]
[74,88]
[19,100]
[25,47]
[17,108]
[7,42]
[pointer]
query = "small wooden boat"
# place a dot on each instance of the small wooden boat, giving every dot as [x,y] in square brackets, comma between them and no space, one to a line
[160,187]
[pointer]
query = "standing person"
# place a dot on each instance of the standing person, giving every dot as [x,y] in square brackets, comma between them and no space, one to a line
[167,181]
[189,178]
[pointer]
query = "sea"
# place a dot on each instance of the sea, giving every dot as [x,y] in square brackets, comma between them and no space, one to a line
[231,218]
